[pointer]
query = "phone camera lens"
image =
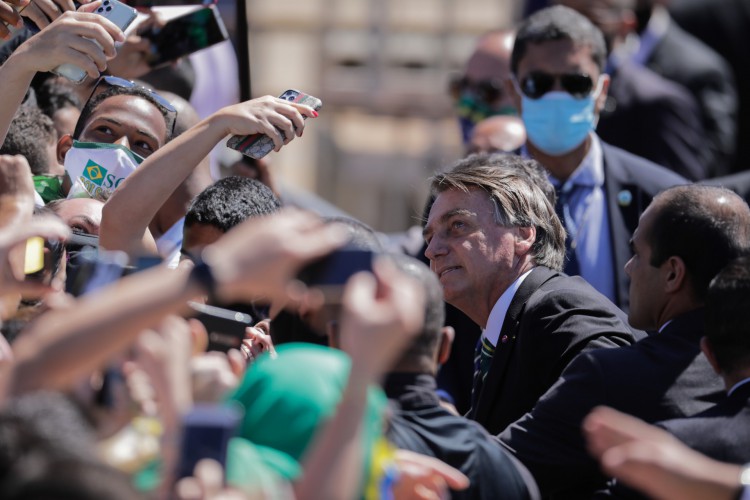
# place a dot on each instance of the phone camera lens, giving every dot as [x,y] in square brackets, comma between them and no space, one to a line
[100,10]
[109,8]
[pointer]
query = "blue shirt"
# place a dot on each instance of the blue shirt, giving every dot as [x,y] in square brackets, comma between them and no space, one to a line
[589,214]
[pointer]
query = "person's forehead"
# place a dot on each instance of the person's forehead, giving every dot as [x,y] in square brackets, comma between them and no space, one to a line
[133,111]
[456,201]
[80,207]
[558,57]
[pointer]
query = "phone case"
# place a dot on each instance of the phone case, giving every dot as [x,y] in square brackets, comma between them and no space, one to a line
[259,145]
[117,12]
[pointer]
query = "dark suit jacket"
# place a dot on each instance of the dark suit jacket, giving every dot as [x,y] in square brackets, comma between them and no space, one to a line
[724,25]
[418,423]
[551,319]
[721,432]
[682,58]
[662,376]
[656,119]
[630,184]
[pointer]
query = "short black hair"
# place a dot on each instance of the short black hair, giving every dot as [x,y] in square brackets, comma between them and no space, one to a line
[706,226]
[53,95]
[30,134]
[231,201]
[726,319]
[115,90]
[421,352]
[558,23]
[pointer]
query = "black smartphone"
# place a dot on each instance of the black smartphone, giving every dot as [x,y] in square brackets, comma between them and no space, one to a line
[206,431]
[331,273]
[226,328]
[186,34]
[94,269]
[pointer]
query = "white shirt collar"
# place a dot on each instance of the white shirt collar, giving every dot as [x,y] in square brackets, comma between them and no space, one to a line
[497,316]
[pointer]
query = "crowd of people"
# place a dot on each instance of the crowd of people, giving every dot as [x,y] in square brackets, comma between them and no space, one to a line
[573,326]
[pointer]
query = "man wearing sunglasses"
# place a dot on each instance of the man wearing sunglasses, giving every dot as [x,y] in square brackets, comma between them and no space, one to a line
[479,93]
[560,88]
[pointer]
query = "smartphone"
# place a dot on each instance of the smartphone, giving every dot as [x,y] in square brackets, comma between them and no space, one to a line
[259,145]
[117,12]
[331,273]
[226,328]
[206,431]
[184,35]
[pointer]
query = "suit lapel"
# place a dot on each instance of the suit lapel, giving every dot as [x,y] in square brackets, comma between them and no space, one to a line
[507,341]
[624,204]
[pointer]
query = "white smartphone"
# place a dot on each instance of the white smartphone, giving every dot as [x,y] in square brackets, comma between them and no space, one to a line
[117,12]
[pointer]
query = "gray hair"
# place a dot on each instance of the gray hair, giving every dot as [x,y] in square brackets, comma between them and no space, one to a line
[517,197]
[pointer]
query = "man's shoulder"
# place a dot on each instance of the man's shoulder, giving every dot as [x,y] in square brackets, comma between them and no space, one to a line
[627,168]
[694,55]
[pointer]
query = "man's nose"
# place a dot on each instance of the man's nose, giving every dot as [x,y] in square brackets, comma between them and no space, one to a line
[628,265]
[435,248]
[123,141]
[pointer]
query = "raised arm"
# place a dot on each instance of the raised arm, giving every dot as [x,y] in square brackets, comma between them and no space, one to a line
[63,41]
[63,345]
[133,205]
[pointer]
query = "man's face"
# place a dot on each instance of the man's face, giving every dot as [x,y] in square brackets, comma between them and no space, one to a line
[490,65]
[646,298]
[475,258]
[130,121]
[82,214]
[197,237]
[556,58]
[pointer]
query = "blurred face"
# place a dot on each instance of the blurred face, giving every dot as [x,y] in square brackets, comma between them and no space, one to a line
[474,258]
[197,237]
[129,121]
[82,214]
[646,299]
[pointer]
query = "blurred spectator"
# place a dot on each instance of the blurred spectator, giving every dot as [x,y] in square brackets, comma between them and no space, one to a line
[497,134]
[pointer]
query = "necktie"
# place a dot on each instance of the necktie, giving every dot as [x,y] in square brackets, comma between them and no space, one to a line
[562,208]
[482,360]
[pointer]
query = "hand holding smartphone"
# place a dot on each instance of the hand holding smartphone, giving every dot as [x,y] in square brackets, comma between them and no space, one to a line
[259,145]
[117,12]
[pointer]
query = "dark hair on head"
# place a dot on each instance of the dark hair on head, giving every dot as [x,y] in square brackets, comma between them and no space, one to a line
[30,134]
[54,95]
[558,23]
[421,352]
[521,195]
[231,201]
[726,319]
[361,236]
[706,226]
[115,90]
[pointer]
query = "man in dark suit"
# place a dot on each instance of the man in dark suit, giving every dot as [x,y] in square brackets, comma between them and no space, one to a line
[559,86]
[497,246]
[721,432]
[671,52]
[724,25]
[418,422]
[684,238]
[645,114]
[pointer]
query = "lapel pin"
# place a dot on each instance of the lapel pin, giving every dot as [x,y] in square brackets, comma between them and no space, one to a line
[504,339]
[624,198]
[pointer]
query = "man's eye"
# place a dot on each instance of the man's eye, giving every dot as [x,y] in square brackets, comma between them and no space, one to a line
[104,130]
[144,146]
[457,224]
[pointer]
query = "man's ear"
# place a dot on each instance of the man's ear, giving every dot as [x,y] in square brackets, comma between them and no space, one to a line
[525,237]
[63,145]
[602,99]
[445,344]
[676,274]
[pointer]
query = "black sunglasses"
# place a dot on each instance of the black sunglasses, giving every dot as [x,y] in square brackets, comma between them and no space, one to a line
[114,81]
[488,91]
[538,83]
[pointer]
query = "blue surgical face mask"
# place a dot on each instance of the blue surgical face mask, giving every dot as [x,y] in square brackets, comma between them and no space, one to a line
[557,122]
